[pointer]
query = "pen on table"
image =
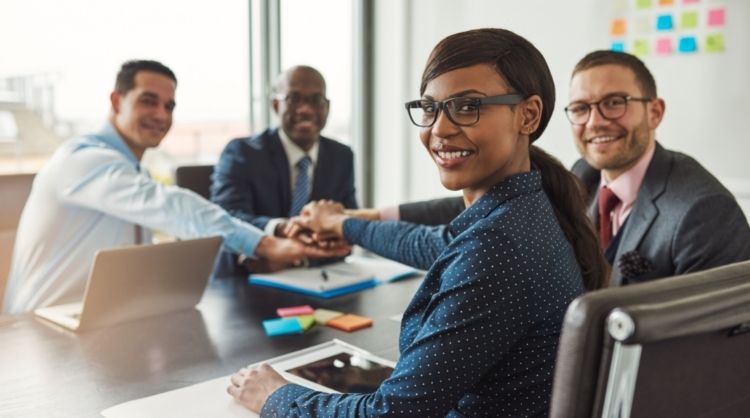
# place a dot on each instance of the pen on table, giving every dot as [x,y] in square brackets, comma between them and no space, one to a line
[324,275]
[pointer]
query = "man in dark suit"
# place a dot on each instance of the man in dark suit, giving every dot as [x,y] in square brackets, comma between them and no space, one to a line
[267,178]
[659,212]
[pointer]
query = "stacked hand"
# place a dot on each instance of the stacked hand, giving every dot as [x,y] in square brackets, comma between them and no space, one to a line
[316,233]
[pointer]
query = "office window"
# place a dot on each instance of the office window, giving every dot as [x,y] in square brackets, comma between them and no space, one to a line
[60,60]
[320,34]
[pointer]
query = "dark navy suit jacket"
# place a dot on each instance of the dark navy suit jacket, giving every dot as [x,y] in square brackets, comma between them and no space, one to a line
[251,181]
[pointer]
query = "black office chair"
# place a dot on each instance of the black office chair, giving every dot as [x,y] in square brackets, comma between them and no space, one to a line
[676,347]
[195,177]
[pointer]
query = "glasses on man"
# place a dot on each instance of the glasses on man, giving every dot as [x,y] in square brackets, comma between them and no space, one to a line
[316,100]
[462,111]
[610,107]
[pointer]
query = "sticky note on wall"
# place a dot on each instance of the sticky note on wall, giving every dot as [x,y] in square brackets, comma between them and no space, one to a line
[643,4]
[689,20]
[689,1]
[666,2]
[641,24]
[664,22]
[664,46]
[618,46]
[688,44]
[715,42]
[617,28]
[716,17]
[640,47]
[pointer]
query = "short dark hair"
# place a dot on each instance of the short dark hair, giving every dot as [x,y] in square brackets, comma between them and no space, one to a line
[606,57]
[126,76]
[515,59]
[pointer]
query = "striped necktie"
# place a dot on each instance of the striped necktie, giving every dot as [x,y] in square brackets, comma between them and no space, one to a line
[301,191]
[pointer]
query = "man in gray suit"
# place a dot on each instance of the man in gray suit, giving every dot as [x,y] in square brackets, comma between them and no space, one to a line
[659,212]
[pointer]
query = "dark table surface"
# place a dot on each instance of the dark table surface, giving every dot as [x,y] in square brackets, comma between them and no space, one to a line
[46,371]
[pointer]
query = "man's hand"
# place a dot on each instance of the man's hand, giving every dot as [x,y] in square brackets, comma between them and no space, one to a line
[287,251]
[253,387]
[325,218]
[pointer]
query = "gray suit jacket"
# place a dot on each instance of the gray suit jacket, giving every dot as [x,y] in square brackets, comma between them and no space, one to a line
[683,220]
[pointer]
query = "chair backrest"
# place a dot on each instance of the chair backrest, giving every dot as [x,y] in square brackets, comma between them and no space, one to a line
[14,190]
[195,177]
[671,347]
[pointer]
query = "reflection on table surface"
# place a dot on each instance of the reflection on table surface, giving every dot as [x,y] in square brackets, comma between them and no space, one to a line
[48,371]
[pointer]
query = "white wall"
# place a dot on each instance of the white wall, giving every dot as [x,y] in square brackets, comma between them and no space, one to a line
[708,96]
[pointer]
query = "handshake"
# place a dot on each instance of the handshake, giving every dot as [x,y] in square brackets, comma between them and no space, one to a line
[316,233]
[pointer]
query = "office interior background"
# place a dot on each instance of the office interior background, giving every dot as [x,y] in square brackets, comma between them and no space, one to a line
[59,61]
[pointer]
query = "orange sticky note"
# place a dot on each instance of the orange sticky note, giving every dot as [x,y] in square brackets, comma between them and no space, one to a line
[618,27]
[349,322]
[666,2]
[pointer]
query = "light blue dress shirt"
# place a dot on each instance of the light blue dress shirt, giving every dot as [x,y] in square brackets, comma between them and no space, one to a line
[90,195]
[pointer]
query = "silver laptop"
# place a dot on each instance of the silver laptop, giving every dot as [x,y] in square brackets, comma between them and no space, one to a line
[135,282]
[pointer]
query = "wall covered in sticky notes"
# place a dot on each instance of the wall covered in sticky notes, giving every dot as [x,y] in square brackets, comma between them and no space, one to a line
[668,27]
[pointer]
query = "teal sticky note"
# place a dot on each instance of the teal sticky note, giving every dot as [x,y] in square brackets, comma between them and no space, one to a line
[664,22]
[282,326]
[618,46]
[687,44]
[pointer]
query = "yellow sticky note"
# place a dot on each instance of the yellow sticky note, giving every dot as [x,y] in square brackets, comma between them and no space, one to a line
[642,24]
[640,47]
[617,28]
[715,42]
[689,20]
[643,4]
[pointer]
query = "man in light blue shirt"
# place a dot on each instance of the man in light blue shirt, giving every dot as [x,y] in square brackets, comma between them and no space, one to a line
[93,194]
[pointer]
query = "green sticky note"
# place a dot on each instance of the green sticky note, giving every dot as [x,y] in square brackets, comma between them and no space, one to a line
[715,42]
[306,321]
[640,47]
[643,4]
[689,20]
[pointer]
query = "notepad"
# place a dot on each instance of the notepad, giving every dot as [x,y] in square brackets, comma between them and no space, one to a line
[352,275]
[295,311]
[349,322]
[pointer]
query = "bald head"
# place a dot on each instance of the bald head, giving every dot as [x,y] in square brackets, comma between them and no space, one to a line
[299,100]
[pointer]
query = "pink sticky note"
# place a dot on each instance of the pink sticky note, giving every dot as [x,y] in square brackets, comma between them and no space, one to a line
[295,311]
[716,17]
[689,1]
[664,46]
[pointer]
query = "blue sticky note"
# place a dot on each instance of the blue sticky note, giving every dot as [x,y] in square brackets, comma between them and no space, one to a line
[664,22]
[618,46]
[687,44]
[282,326]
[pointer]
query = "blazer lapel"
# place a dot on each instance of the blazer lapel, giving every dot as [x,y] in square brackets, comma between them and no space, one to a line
[281,166]
[645,211]
[321,174]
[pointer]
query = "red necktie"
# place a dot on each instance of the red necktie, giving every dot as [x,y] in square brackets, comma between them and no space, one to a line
[607,202]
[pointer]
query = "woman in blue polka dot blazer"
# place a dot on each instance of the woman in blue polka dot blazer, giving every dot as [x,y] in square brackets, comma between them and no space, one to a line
[480,336]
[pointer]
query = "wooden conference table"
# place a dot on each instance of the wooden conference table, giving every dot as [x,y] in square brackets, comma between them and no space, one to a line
[49,372]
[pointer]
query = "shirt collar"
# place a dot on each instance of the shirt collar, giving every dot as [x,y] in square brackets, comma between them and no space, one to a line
[294,153]
[109,135]
[513,186]
[626,185]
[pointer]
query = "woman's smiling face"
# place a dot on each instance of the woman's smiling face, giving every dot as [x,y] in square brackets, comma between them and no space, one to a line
[475,158]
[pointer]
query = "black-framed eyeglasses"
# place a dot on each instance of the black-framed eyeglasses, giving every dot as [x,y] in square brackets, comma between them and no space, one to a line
[316,100]
[462,111]
[610,107]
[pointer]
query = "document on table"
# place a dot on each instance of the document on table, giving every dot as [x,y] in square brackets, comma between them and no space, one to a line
[352,275]
[334,366]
